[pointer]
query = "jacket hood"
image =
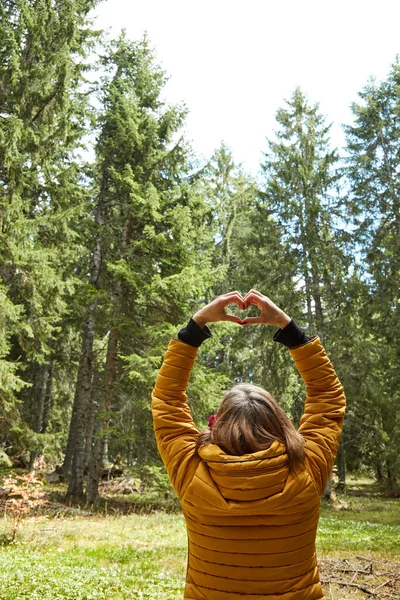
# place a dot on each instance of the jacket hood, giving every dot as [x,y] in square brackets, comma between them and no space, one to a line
[249,477]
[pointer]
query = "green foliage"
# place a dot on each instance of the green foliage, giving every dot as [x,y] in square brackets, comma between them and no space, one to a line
[5,462]
[373,145]
[152,232]
[301,176]
[42,197]
[102,264]
[155,478]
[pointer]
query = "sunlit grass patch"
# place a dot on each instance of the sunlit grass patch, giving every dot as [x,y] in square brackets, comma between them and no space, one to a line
[135,557]
[367,523]
[338,534]
[96,559]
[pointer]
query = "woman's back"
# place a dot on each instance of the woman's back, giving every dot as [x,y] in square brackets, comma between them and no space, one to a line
[251,527]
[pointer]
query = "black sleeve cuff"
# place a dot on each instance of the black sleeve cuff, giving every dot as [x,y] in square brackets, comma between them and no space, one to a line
[292,335]
[194,335]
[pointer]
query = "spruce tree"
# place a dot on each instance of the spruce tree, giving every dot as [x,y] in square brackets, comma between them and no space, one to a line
[145,249]
[301,174]
[373,146]
[43,119]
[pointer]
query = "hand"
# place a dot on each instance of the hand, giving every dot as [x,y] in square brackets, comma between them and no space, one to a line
[270,313]
[215,311]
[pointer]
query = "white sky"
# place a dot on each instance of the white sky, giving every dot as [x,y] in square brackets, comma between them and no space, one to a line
[234,62]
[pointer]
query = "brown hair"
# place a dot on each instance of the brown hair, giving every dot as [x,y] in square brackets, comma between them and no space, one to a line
[249,419]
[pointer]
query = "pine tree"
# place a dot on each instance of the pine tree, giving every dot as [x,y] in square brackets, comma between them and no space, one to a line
[301,174]
[148,266]
[373,145]
[42,122]
[301,191]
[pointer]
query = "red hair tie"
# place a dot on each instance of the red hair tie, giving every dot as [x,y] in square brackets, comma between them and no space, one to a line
[211,420]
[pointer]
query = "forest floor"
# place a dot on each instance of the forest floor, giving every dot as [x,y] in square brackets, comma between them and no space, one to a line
[67,553]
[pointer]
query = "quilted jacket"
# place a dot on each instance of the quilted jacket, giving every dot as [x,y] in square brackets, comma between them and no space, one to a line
[251,525]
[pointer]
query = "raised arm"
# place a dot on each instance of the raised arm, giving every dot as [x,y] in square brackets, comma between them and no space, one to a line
[174,428]
[321,424]
[175,431]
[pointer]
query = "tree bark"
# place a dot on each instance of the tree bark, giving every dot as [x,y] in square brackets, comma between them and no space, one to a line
[93,410]
[107,393]
[379,473]
[98,458]
[306,272]
[48,397]
[319,316]
[41,398]
[341,462]
[328,488]
[75,453]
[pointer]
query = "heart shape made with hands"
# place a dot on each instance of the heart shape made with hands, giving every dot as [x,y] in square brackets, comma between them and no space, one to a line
[236,310]
[268,313]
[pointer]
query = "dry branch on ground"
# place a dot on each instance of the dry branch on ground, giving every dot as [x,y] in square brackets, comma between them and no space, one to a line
[375,578]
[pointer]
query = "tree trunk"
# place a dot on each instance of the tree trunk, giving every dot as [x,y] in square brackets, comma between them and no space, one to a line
[391,475]
[341,462]
[100,449]
[319,316]
[98,458]
[77,433]
[379,473]
[38,409]
[305,269]
[95,466]
[75,452]
[48,397]
[93,410]
[40,397]
[105,457]
[328,488]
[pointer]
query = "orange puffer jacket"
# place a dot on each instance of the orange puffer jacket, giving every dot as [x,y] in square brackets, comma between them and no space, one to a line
[251,525]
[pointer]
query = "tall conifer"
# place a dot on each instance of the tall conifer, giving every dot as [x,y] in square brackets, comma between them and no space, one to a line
[42,120]
[373,145]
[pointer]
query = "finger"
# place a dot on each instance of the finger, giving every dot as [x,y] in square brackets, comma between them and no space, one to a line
[252,294]
[252,320]
[233,298]
[234,293]
[253,291]
[232,319]
[252,298]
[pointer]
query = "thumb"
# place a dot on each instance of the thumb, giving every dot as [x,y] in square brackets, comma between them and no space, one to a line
[232,318]
[252,320]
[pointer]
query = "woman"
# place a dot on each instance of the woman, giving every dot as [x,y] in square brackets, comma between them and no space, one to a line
[250,487]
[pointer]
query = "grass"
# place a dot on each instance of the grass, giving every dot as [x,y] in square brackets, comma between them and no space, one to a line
[144,556]
[365,524]
[93,558]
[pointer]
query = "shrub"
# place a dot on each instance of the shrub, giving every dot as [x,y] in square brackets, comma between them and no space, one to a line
[5,461]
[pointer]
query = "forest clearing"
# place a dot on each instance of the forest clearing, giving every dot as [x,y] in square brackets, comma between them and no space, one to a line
[113,233]
[66,553]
